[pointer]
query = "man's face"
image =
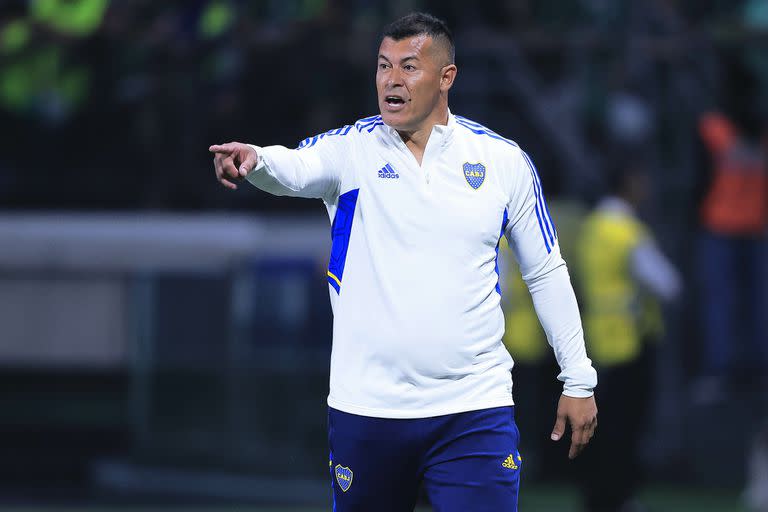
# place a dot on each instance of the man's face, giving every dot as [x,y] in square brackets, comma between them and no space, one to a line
[408,80]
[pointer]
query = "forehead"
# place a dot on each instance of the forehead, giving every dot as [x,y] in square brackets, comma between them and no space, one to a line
[416,45]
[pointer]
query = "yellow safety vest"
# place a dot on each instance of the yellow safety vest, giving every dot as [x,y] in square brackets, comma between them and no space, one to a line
[617,315]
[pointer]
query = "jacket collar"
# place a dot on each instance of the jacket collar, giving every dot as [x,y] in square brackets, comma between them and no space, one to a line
[443,132]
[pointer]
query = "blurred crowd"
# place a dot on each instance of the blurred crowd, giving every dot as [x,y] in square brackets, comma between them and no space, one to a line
[123,98]
[112,104]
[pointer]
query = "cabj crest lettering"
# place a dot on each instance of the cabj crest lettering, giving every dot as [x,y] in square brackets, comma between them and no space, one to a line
[344,477]
[474,174]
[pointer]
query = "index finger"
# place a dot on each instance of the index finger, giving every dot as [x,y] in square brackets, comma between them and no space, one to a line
[221,148]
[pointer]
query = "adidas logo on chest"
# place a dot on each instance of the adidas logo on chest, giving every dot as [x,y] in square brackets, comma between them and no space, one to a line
[388,172]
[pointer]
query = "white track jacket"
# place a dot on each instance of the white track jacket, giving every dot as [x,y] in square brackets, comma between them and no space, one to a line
[413,272]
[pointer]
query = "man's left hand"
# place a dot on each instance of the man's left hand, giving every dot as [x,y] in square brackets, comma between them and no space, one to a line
[581,415]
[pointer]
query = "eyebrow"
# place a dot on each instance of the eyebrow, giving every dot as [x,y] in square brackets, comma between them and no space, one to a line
[409,57]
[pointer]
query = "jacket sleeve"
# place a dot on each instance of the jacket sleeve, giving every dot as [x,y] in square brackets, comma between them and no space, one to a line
[313,170]
[533,238]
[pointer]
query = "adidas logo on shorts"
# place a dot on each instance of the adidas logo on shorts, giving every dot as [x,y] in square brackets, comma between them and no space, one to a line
[510,462]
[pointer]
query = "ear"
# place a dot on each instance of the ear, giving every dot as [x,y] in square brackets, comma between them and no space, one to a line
[447,77]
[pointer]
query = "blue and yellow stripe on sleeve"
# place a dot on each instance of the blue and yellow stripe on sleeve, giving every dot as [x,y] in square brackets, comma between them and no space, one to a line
[341,229]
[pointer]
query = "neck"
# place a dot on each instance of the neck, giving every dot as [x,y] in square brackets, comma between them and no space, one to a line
[417,139]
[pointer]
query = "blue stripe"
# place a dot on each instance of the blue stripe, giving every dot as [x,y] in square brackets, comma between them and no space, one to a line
[468,123]
[504,222]
[538,211]
[341,229]
[377,123]
[485,131]
[367,118]
[473,124]
[541,227]
[537,188]
[549,216]
[311,141]
[476,130]
[554,229]
[540,198]
[547,224]
[362,125]
[538,214]
[541,193]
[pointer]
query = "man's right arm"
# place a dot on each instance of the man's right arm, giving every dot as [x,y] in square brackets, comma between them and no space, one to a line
[312,171]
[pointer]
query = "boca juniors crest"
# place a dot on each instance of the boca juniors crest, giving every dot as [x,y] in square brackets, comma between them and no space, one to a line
[474,174]
[343,477]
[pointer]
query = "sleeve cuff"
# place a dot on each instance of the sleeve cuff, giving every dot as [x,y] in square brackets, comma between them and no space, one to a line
[577,392]
[579,382]
[260,165]
[259,152]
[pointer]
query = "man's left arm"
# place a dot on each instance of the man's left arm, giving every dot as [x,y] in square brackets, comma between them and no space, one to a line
[533,238]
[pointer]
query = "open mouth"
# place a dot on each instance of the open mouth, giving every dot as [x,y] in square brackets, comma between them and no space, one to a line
[394,101]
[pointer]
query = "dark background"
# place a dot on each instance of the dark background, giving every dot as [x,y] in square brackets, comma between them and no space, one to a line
[164,339]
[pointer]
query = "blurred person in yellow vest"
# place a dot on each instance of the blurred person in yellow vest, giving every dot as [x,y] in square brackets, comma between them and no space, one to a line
[623,277]
[527,344]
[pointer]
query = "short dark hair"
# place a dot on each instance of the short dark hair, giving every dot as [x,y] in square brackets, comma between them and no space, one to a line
[418,23]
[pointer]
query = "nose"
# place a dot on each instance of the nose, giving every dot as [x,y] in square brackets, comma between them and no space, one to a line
[395,78]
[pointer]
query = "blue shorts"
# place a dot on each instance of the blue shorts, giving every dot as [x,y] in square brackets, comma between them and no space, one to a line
[467,461]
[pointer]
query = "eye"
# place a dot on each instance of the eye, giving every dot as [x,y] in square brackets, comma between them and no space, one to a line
[409,67]
[382,65]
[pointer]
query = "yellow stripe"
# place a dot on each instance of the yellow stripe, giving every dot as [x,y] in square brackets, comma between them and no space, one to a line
[334,277]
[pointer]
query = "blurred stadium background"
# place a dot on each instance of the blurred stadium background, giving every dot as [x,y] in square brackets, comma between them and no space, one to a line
[164,342]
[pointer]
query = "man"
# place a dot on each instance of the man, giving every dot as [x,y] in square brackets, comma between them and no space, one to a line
[420,381]
[731,254]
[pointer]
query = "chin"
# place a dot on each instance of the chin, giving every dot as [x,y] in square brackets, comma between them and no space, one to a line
[394,119]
